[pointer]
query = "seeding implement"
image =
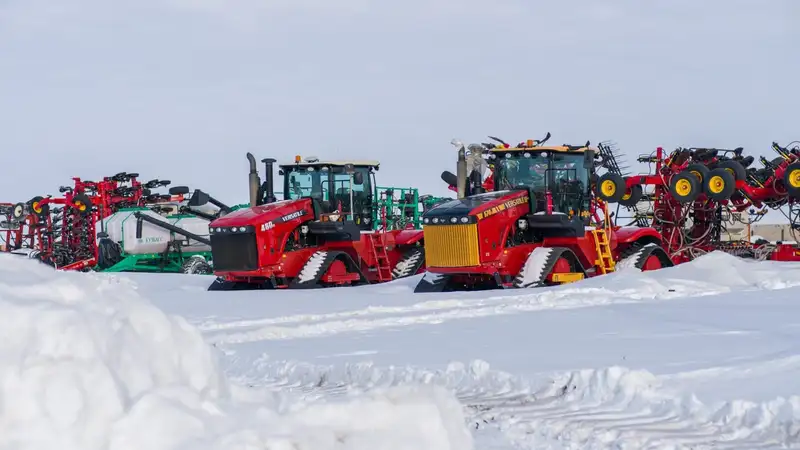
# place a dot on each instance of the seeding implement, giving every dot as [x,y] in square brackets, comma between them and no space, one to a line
[117,224]
[539,223]
[695,192]
[334,227]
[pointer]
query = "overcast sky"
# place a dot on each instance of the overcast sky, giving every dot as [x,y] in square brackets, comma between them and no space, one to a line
[181,89]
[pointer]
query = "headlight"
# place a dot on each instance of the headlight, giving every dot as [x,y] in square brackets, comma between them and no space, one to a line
[426,220]
[453,219]
[464,219]
[522,224]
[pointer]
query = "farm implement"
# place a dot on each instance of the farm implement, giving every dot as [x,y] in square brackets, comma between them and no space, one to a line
[334,227]
[535,221]
[694,194]
[117,224]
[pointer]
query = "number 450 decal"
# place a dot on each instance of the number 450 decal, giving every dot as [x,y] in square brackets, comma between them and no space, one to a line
[267,226]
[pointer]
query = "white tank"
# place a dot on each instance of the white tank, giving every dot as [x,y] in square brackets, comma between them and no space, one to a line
[194,225]
[113,223]
[121,228]
[154,238]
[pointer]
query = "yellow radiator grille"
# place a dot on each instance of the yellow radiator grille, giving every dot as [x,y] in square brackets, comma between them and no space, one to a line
[451,245]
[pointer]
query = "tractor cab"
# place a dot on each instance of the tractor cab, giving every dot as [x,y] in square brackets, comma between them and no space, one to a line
[557,180]
[557,177]
[341,189]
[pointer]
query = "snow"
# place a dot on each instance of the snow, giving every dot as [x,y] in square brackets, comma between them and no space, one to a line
[701,355]
[89,363]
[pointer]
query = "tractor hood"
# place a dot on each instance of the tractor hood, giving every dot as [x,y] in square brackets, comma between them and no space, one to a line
[273,212]
[471,207]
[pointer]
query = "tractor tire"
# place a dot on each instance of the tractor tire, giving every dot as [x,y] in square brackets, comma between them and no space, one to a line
[611,188]
[791,178]
[684,187]
[720,184]
[698,170]
[632,196]
[196,265]
[738,171]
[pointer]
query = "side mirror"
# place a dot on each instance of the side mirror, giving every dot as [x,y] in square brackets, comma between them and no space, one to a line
[199,198]
[358,178]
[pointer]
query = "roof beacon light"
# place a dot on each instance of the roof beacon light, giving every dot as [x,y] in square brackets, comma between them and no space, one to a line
[297,159]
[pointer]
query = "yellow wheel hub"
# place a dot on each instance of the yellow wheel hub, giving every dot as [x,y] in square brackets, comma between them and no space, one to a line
[683,188]
[794,178]
[37,207]
[81,206]
[716,184]
[608,188]
[697,174]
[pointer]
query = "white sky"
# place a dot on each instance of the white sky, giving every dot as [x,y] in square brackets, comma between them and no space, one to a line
[181,89]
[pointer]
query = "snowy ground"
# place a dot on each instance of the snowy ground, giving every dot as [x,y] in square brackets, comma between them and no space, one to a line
[704,355]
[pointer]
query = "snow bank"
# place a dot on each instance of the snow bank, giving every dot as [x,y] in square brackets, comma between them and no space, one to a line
[86,363]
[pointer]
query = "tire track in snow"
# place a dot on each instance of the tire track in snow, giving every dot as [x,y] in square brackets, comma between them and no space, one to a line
[608,408]
[446,309]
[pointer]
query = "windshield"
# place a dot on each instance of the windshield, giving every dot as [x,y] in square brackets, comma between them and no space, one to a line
[531,169]
[328,184]
[564,174]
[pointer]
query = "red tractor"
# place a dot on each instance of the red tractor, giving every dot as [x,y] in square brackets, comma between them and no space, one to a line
[334,227]
[540,225]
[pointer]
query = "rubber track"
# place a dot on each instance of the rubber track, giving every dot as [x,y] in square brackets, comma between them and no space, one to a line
[330,257]
[411,265]
[554,256]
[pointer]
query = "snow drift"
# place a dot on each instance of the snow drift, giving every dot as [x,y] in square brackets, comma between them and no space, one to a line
[86,363]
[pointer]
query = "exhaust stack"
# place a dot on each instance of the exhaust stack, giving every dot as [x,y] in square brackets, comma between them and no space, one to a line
[269,181]
[254,181]
[461,170]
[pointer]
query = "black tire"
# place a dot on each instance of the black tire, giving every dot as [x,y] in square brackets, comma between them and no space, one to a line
[196,265]
[699,170]
[791,179]
[41,211]
[738,171]
[179,190]
[720,184]
[684,187]
[632,197]
[83,204]
[611,188]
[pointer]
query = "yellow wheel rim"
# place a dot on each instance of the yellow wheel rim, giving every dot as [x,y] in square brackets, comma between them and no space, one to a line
[794,178]
[37,208]
[81,206]
[683,188]
[697,174]
[608,188]
[626,196]
[716,184]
